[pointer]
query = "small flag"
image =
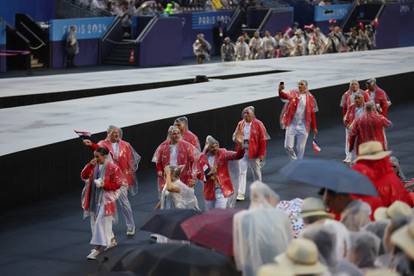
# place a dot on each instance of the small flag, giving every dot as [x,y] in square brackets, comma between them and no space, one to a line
[315,146]
[83,134]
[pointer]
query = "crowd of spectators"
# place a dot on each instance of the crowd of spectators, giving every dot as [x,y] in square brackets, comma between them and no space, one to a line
[297,42]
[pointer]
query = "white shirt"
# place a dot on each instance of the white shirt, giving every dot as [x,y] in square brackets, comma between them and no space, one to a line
[358,112]
[211,160]
[173,155]
[246,131]
[300,111]
[115,148]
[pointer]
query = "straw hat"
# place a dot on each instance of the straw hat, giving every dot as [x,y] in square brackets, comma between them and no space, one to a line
[313,206]
[381,272]
[371,151]
[301,257]
[274,269]
[404,239]
[396,210]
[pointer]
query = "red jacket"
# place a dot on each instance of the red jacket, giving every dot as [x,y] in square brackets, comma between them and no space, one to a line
[369,127]
[349,117]
[257,140]
[381,99]
[289,110]
[191,138]
[125,159]
[346,100]
[112,181]
[186,156]
[221,161]
[389,186]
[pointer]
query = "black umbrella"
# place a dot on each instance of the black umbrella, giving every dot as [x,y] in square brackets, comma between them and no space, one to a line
[329,174]
[168,222]
[175,259]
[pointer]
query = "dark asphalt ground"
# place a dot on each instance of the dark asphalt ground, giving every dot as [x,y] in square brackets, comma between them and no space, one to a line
[50,238]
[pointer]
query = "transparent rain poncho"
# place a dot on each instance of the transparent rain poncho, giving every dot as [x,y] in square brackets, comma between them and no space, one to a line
[356,215]
[260,233]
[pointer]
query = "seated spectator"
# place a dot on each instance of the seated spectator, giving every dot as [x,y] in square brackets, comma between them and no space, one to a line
[392,253]
[314,213]
[301,258]
[324,237]
[378,229]
[261,232]
[364,249]
[354,214]
[404,239]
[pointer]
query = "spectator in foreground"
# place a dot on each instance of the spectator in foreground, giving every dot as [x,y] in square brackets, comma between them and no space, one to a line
[261,232]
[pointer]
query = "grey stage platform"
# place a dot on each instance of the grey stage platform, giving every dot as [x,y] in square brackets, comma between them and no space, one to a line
[33,126]
[39,148]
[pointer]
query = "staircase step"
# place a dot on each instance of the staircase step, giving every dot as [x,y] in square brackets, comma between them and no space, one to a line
[37,65]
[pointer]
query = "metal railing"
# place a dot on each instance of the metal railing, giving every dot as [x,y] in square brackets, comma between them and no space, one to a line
[42,43]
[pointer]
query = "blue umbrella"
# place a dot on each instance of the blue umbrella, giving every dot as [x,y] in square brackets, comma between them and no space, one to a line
[329,174]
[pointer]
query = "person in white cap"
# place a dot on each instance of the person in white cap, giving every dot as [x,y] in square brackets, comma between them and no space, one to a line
[302,258]
[297,117]
[254,136]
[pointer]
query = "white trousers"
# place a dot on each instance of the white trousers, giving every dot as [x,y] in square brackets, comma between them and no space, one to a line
[101,227]
[295,141]
[349,153]
[255,167]
[126,207]
[220,202]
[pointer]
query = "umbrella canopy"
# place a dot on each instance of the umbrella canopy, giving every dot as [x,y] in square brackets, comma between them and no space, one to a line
[328,174]
[213,229]
[167,222]
[175,259]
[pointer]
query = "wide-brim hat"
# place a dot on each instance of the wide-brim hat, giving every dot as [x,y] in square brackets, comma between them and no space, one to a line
[396,210]
[404,239]
[301,257]
[372,151]
[312,207]
[274,269]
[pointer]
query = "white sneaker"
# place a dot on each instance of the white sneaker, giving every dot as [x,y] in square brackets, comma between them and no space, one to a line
[240,197]
[112,245]
[94,253]
[131,231]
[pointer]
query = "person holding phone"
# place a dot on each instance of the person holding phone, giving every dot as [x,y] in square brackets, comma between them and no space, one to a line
[297,117]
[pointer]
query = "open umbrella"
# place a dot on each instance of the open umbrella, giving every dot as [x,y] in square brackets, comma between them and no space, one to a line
[213,229]
[167,222]
[328,174]
[174,259]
